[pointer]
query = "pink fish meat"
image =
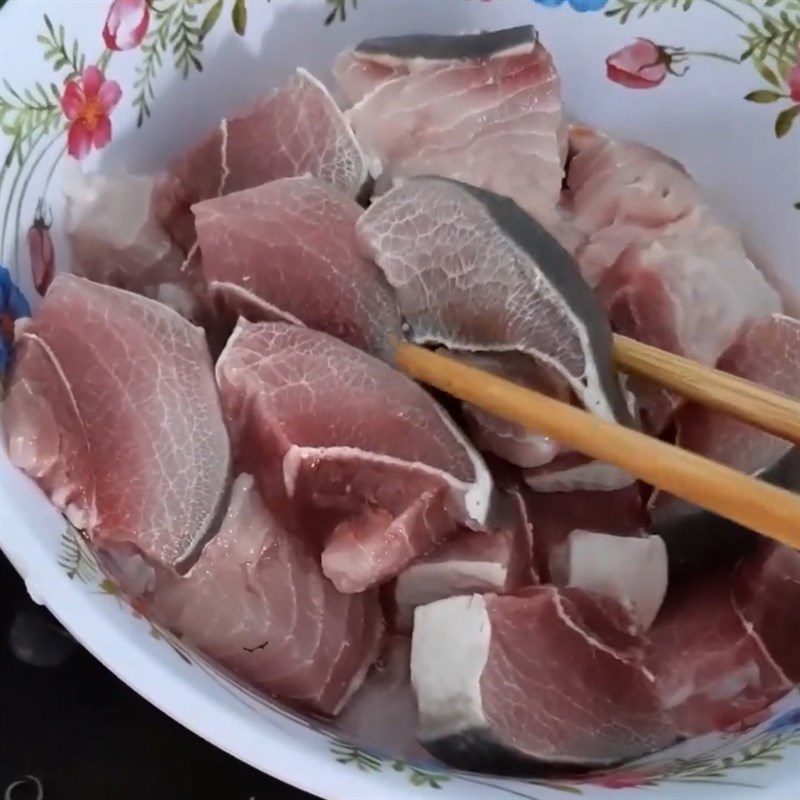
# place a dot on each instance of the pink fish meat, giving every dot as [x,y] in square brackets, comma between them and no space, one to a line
[520,684]
[356,440]
[292,131]
[766,351]
[555,516]
[719,654]
[496,559]
[668,270]
[480,108]
[112,409]
[287,250]
[257,602]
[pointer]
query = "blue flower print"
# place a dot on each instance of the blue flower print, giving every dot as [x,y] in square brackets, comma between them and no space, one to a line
[13,305]
[786,722]
[578,5]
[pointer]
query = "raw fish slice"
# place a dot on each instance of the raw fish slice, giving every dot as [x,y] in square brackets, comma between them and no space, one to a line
[550,678]
[472,561]
[473,272]
[555,516]
[292,131]
[667,269]
[638,305]
[613,184]
[112,408]
[257,602]
[484,109]
[511,441]
[287,250]
[386,470]
[497,560]
[687,291]
[714,669]
[115,238]
[382,715]
[356,75]
[548,466]
[368,546]
[630,569]
[766,351]
[570,471]
[766,593]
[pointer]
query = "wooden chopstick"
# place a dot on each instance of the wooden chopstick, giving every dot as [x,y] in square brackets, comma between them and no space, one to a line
[757,505]
[747,401]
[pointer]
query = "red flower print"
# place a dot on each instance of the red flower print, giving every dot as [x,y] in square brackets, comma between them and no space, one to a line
[126,24]
[640,65]
[40,249]
[87,102]
[793,79]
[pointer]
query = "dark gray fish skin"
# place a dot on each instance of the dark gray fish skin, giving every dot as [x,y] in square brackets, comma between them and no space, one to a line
[476,750]
[451,48]
[563,273]
[188,559]
[697,539]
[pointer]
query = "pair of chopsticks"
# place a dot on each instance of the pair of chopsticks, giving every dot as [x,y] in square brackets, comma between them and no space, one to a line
[755,504]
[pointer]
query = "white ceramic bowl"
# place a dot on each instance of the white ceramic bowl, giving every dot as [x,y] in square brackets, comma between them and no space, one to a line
[701,117]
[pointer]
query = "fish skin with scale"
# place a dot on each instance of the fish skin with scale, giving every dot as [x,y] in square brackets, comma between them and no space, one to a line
[472,271]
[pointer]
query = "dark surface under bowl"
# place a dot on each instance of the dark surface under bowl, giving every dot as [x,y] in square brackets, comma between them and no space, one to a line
[69,723]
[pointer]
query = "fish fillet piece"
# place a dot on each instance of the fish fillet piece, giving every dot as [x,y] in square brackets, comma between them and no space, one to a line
[767,352]
[497,559]
[509,440]
[257,602]
[388,470]
[112,409]
[287,250]
[480,108]
[667,268]
[472,271]
[357,75]
[766,594]
[719,654]
[689,291]
[624,188]
[630,569]
[547,465]
[522,684]
[555,515]
[571,471]
[382,715]
[360,71]
[292,131]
